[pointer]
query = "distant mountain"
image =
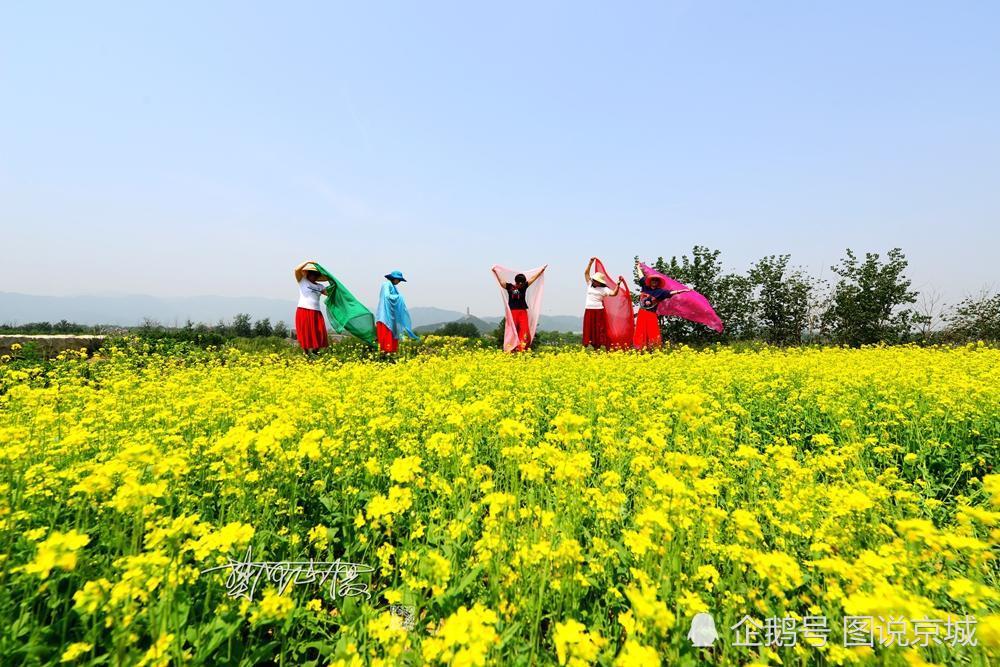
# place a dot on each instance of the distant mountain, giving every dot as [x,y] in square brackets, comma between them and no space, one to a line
[482,326]
[571,323]
[487,324]
[422,316]
[130,310]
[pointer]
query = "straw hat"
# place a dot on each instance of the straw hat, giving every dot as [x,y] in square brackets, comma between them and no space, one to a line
[599,277]
[657,279]
[300,272]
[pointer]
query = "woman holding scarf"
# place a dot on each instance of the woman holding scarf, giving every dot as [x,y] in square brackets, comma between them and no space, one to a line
[647,323]
[595,319]
[392,319]
[520,310]
[310,327]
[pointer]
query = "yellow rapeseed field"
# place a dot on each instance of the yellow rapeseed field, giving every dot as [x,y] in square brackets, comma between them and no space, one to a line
[566,507]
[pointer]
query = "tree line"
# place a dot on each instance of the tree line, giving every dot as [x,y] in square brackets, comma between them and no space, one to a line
[869,300]
[241,326]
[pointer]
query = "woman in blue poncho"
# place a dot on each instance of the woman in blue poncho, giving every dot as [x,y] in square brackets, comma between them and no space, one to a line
[392,319]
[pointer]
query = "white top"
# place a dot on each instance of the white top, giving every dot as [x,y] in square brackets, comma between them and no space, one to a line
[309,294]
[595,297]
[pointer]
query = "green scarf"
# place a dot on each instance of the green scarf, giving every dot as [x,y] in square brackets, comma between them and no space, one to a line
[346,312]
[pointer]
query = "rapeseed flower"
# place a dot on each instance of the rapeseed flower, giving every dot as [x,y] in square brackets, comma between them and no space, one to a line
[544,509]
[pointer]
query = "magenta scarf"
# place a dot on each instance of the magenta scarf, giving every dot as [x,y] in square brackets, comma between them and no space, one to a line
[690,305]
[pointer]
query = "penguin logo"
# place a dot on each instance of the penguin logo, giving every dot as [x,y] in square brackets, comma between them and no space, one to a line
[702,632]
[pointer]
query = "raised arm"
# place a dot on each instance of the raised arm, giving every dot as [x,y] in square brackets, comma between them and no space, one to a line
[499,282]
[535,277]
[586,273]
[299,269]
[617,287]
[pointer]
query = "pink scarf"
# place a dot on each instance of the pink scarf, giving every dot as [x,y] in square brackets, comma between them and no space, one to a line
[533,296]
[690,305]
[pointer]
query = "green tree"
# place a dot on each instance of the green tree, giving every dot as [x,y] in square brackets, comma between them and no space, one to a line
[975,318]
[241,326]
[262,328]
[730,295]
[783,298]
[280,329]
[554,339]
[733,301]
[498,332]
[461,329]
[869,302]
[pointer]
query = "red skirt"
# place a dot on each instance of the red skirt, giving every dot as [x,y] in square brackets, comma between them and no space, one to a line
[595,328]
[386,342]
[519,318]
[310,329]
[647,330]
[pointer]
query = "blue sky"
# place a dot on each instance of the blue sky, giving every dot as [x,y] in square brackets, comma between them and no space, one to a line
[206,148]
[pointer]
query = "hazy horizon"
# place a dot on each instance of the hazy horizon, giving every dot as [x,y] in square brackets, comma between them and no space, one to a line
[18,309]
[193,149]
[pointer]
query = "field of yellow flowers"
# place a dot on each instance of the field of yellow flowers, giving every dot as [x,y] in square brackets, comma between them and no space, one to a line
[563,507]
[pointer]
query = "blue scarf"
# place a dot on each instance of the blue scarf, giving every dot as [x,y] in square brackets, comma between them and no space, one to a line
[392,312]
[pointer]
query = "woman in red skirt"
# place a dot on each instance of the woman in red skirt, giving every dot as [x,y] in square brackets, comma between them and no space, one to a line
[647,322]
[517,303]
[310,327]
[595,323]
[392,318]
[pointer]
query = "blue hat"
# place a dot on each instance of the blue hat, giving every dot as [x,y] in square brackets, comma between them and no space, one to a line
[397,274]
